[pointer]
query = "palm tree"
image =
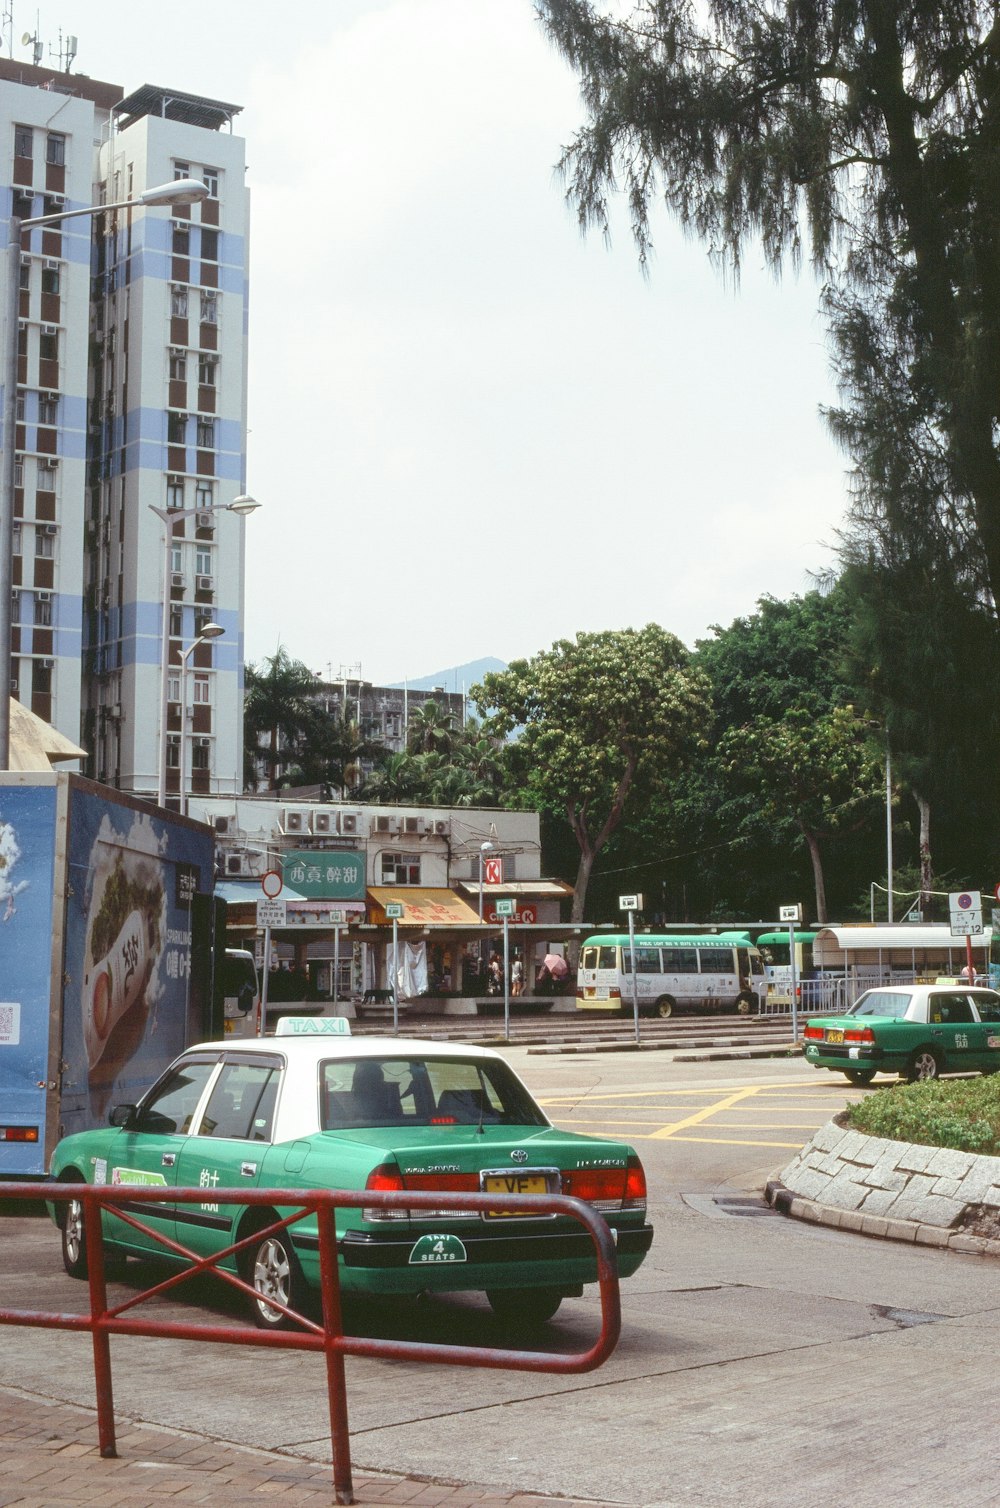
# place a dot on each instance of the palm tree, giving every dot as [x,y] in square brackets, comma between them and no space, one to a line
[430,730]
[278,711]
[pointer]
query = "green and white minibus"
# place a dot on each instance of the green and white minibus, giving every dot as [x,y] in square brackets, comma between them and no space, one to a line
[673,972]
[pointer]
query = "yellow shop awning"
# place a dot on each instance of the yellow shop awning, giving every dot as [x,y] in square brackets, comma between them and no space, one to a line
[423,906]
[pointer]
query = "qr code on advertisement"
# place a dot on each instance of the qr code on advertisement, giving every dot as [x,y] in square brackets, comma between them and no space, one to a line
[10,1022]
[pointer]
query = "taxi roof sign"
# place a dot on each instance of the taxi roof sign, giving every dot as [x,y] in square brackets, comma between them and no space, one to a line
[313,1026]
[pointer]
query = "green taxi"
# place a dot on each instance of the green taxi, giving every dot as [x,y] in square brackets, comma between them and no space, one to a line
[916,1031]
[313,1107]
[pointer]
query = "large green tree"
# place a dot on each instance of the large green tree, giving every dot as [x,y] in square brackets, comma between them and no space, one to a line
[864,132]
[278,712]
[599,722]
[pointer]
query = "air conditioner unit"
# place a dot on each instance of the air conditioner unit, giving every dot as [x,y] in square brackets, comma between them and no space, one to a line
[324,822]
[177,578]
[115,710]
[349,822]
[226,824]
[297,822]
[203,743]
[50,329]
[205,521]
[235,863]
[413,825]
[442,827]
[204,583]
[387,824]
[43,596]
[50,529]
[47,664]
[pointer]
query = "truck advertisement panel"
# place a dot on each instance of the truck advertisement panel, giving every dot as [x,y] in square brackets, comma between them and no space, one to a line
[132,989]
[27,861]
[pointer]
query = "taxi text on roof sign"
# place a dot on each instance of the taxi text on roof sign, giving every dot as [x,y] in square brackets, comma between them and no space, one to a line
[313,1026]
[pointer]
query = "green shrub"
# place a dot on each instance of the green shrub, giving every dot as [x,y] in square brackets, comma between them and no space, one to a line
[963,1114]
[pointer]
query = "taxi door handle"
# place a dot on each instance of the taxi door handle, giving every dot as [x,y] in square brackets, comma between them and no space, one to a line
[168,1159]
[248,1170]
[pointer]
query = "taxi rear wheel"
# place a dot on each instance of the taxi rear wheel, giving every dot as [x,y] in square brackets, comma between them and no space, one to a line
[524,1308]
[274,1274]
[859,1075]
[74,1241]
[923,1064]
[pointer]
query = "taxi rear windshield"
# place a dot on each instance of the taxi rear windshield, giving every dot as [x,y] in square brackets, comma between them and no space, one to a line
[881,1003]
[395,1091]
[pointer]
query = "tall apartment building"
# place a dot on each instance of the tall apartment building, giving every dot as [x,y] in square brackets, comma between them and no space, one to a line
[132,396]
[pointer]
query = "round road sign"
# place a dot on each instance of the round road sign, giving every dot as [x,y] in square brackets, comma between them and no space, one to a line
[272,884]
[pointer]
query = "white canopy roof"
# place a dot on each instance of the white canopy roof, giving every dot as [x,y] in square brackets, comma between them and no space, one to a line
[885,938]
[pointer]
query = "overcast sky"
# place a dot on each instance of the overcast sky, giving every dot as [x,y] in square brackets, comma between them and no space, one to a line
[473,431]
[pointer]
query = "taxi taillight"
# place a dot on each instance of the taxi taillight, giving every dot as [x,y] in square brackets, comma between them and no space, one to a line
[813,1033]
[608,1188]
[388,1176]
[859,1034]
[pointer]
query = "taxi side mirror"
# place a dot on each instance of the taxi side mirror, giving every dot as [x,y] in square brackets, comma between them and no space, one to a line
[123,1116]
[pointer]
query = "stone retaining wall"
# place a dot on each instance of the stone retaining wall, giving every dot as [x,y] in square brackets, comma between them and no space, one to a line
[845,1179]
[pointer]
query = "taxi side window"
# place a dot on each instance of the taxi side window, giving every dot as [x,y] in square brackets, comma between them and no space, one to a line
[170,1106]
[953,1008]
[241,1106]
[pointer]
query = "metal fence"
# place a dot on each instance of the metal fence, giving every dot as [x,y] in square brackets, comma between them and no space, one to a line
[104,1320]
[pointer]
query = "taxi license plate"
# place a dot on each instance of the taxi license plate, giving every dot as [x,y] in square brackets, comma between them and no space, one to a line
[835,1036]
[513,1183]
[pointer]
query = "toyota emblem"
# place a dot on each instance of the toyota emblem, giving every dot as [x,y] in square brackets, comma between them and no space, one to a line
[519,1155]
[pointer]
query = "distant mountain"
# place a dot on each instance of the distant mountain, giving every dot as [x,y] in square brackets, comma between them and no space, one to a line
[457,679]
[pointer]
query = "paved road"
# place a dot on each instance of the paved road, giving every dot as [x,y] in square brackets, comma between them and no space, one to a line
[763,1362]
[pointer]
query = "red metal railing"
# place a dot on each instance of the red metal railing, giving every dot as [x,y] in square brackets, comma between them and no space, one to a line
[103,1320]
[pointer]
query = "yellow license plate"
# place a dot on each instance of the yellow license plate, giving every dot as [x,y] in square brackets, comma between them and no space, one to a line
[514,1183]
[835,1036]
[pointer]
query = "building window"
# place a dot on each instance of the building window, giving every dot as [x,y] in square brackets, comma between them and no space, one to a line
[210,178]
[179,302]
[209,245]
[16,539]
[205,439]
[55,149]
[203,497]
[48,409]
[400,869]
[23,205]
[201,690]
[43,612]
[209,308]
[19,472]
[206,371]
[175,494]
[182,170]
[19,412]
[173,753]
[47,476]
[178,366]
[176,429]
[48,347]
[24,277]
[203,561]
[199,756]
[175,622]
[44,545]
[174,688]
[50,280]
[202,616]
[24,141]
[176,558]
[181,241]
[15,607]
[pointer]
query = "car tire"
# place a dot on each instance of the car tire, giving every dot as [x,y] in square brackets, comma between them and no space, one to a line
[859,1075]
[664,1007]
[74,1240]
[923,1064]
[273,1272]
[524,1308]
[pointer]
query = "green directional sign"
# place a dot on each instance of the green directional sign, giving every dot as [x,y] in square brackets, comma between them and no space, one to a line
[505,908]
[337,875]
[394,910]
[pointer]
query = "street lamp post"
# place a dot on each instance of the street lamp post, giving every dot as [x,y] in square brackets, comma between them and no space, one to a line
[242,506]
[209,632]
[181,191]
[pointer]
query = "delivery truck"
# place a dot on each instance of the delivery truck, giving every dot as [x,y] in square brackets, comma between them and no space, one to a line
[107,947]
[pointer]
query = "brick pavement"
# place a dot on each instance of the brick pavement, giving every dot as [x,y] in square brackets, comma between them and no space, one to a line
[49,1458]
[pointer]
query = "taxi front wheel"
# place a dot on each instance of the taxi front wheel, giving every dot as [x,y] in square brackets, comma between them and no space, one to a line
[274,1273]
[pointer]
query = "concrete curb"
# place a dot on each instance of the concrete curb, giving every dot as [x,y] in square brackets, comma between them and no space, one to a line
[680,1054]
[893,1190]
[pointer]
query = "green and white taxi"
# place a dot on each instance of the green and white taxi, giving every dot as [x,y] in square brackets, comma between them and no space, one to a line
[917,1031]
[313,1107]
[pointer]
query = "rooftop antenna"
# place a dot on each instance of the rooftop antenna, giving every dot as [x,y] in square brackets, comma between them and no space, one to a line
[7,25]
[33,40]
[67,51]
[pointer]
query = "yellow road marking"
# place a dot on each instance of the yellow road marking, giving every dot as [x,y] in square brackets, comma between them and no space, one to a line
[699,1116]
